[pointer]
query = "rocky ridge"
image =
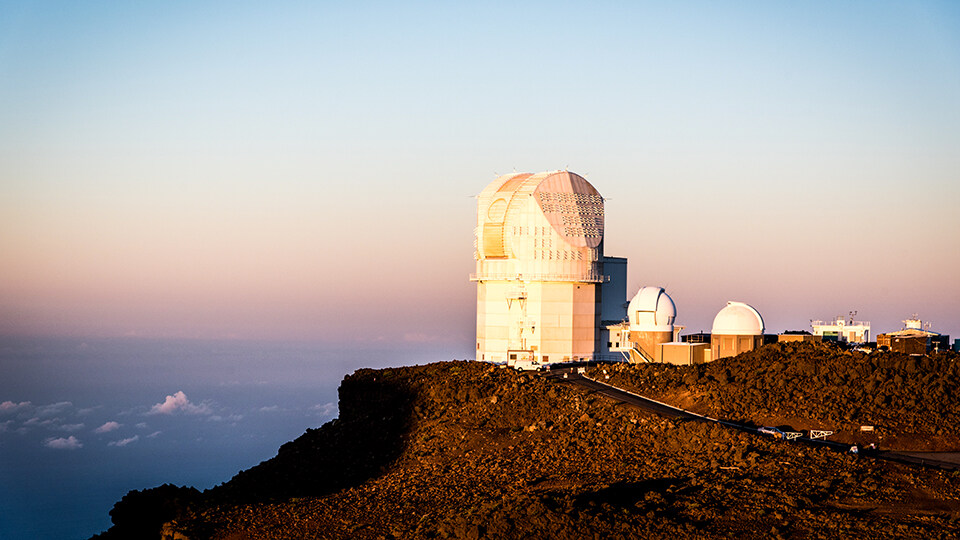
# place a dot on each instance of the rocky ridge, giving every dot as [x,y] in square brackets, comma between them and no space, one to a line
[469,450]
[909,400]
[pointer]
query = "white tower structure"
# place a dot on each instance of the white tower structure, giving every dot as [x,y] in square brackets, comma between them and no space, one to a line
[539,252]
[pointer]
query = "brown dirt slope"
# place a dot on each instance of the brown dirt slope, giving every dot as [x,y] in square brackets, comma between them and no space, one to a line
[468,450]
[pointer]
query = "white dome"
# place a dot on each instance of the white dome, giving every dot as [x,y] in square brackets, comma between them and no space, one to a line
[651,310]
[738,319]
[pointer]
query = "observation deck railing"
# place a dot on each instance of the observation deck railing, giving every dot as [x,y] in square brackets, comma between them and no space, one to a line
[836,322]
[591,277]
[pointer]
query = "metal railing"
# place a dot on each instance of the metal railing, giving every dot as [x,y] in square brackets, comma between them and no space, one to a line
[590,277]
[835,322]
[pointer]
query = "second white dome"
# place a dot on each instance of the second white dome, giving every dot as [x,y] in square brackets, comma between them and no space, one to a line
[651,310]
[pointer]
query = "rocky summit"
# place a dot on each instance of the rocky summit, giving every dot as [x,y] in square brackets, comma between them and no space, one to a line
[471,450]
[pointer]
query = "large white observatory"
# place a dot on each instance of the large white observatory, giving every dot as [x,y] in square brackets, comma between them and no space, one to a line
[542,290]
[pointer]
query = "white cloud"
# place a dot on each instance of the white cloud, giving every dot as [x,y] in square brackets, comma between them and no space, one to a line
[107,427]
[5,425]
[271,408]
[9,406]
[63,443]
[154,434]
[325,409]
[124,442]
[142,425]
[179,402]
[72,427]
[53,408]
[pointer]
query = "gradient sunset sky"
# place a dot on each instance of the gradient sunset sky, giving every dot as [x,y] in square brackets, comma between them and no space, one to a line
[306,170]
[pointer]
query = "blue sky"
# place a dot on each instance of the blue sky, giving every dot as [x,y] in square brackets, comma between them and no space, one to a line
[294,170]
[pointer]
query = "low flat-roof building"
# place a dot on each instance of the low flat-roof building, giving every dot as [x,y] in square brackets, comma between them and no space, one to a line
[914,339]
[841,329]
[797,336]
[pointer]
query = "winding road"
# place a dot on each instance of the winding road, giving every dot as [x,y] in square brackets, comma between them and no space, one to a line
[570,375]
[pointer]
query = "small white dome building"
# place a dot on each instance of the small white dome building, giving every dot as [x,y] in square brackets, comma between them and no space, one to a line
[650,317]
[738,319]
[737,328]
[651,310]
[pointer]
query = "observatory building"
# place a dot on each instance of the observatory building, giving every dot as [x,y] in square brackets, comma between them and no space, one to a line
[547,294]
[915,338]
[649,325]
[544,287]
[737,328]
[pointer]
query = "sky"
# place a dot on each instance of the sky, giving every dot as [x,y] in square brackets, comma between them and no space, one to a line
[307,170]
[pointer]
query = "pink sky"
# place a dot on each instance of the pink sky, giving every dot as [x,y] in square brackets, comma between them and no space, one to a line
[307,173]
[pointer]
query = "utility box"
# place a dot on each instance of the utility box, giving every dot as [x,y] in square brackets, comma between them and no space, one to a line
[798,337]
[684,354]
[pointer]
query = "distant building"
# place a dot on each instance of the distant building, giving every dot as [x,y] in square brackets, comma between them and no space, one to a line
[914,339]
[544,285]
[737,328]
[797,335]
[682,354]
[841,329]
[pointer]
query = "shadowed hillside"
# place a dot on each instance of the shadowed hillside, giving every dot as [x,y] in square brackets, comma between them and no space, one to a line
[468,450]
